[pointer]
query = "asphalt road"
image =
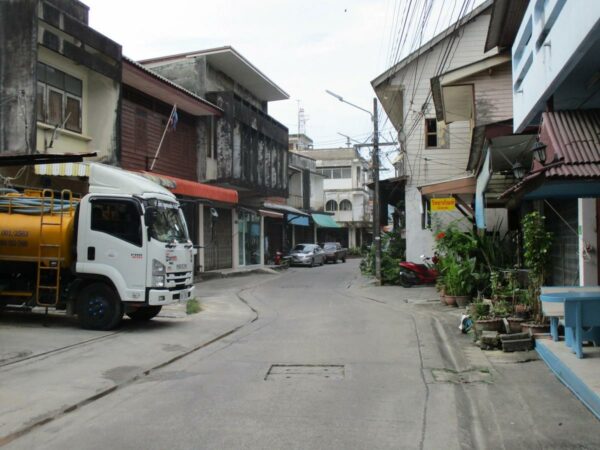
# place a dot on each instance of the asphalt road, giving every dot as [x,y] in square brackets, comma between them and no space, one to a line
[333,364]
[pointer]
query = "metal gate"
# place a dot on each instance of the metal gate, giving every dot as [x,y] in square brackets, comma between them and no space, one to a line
[217,239]
[565,242]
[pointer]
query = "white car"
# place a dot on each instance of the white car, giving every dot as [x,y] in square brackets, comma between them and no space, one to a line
[307,255]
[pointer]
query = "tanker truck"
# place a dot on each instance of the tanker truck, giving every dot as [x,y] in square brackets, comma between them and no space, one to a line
[122,248]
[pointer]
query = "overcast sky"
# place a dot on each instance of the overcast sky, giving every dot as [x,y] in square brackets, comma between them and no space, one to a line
[304,47]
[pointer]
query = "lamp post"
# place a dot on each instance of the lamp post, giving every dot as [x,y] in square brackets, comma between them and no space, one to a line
[375,163]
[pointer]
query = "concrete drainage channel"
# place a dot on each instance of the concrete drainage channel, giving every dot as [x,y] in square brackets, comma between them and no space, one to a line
[305,371]
[459,377]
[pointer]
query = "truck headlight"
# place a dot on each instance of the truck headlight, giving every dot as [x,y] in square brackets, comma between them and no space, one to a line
[158,273]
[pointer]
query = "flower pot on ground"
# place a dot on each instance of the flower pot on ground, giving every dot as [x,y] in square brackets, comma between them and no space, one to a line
[463,300]
[450,300]
[492,324]
[535,328]
[514,324]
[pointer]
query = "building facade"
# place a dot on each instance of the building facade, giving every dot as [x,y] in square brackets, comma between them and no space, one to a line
[60,81]
[345,194]
[246,149]
[432,150]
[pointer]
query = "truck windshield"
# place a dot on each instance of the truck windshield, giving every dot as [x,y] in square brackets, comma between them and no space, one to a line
[169,225]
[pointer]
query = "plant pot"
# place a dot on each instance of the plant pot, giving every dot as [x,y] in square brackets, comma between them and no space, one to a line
[514,324]
[443,298]
[535,328]
[521,310]
[463,300]
[495,324]
[450,300]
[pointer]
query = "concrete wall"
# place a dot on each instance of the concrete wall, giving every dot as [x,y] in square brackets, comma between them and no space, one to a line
[554,36]
[18,55]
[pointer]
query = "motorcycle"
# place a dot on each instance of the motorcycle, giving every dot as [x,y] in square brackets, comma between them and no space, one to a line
[412,274]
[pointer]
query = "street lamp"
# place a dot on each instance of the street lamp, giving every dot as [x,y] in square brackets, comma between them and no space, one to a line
[375,163]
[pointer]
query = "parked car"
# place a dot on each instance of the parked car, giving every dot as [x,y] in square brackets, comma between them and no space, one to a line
[334,252]
[307,255]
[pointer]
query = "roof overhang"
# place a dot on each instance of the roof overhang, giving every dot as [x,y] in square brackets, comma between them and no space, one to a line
[229,61]
[453,97]
[21,159]
[194,189]
[391,72]
[454,186]
[284,209]
[504,23]
[325,221]
[150,83]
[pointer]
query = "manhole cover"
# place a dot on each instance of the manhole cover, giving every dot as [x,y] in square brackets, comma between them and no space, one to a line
[295,371]
[466,376]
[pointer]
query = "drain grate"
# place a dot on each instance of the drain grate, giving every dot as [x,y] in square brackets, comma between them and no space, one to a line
[306,371]
[464,377]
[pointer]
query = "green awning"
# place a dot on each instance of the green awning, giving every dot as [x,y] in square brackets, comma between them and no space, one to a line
[325,221]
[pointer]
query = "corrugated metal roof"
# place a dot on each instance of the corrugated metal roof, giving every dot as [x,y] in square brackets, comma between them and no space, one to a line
[573,141]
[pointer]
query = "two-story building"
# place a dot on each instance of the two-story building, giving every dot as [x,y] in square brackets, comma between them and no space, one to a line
[345,195]
[60,81]
[556,91]
[436,147]
[248,149]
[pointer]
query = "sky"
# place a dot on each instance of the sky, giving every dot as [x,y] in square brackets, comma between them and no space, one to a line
[304,47]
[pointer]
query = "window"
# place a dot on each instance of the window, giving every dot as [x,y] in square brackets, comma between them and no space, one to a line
[58,98]
[345,205]
[331,205]
[119,218]
[436,134]
[335,172]
[431,139]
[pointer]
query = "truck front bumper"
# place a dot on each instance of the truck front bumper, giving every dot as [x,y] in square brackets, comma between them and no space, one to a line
[167,297]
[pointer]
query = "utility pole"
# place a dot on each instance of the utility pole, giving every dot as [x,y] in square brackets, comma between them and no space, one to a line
[375,164]
[376,227]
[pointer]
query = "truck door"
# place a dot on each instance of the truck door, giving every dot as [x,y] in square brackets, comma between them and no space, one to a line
[111,244]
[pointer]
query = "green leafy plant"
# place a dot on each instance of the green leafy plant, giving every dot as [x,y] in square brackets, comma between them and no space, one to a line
[536,244]
[459,277]
[193,306]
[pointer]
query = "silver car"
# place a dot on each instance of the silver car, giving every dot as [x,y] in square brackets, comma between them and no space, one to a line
[307,255]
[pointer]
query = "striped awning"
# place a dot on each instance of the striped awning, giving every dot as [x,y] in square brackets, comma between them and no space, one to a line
[64,169]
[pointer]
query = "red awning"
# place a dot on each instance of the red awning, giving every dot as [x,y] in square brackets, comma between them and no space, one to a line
[199,190]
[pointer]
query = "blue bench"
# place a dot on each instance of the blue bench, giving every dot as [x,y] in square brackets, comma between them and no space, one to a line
[580,310]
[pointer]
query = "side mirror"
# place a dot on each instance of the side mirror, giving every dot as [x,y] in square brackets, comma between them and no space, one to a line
[150,216]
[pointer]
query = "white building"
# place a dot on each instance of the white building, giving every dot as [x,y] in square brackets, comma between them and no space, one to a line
[345,194]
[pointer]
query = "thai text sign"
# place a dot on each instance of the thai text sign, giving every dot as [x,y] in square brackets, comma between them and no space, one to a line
[443,204]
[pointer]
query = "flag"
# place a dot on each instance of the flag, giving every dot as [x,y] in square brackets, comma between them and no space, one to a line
[174,118]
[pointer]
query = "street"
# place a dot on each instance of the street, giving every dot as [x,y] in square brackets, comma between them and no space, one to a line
[330,362]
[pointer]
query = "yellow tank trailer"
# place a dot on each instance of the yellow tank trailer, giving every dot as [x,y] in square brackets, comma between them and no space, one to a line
[36,228]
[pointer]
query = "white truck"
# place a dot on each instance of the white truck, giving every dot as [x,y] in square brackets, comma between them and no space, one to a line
[122,249]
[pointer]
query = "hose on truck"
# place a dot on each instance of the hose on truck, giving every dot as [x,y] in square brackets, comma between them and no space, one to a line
[34,206]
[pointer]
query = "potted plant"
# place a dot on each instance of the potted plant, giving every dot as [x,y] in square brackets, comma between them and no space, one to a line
[484,318]
[459,281]
[536,244]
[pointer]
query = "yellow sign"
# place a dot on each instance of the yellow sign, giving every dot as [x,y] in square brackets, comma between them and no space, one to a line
[443,204]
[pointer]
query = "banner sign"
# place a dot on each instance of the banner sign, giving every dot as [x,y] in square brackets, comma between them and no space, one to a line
[443,204]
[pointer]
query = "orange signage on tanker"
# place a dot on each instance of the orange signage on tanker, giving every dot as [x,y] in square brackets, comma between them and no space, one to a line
[443,204]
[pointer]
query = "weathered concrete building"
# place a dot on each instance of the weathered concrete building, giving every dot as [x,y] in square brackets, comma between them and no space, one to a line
[60,80]
[247,149]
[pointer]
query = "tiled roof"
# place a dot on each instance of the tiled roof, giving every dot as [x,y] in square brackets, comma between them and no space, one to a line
[573,143]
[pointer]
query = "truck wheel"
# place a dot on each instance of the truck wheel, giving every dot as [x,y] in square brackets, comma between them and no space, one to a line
[144,313]
[99,307]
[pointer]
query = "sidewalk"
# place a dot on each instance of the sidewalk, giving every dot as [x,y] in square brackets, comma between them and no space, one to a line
[50,366]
